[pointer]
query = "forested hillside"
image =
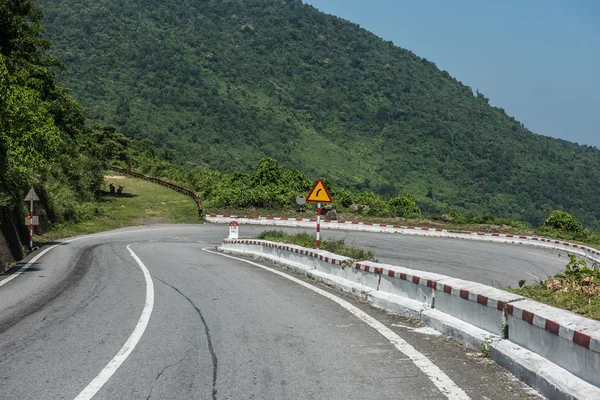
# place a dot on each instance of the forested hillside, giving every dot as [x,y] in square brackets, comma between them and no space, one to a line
[44,141]
[223,83]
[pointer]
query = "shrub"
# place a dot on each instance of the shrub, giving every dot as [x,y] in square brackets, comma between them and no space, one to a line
[87,211]
[342,199]
[375,204]
[563,221]
[404,206]
[457,217]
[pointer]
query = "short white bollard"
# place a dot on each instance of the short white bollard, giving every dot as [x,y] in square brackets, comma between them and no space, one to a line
[233,230]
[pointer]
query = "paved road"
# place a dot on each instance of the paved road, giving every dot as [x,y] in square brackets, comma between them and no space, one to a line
[492,264]
[217,328]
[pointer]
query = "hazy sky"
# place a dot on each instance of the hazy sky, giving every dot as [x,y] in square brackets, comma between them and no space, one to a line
[537,59]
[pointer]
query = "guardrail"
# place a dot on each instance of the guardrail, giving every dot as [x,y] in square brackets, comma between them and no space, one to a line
[172,186]
[554,351]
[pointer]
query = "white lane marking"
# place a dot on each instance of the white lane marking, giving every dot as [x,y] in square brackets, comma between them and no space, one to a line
[37,257]
[432,371]
[26,266]
[114,364]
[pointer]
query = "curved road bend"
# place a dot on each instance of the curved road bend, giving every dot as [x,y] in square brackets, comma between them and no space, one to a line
[494,264]
[80,323]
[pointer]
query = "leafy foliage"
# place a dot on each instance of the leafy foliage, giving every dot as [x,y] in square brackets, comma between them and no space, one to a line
[563,221]
[44,141]
[577,289]
[269,186]
[472,218]
[28,136]
[578,270]
[404,206]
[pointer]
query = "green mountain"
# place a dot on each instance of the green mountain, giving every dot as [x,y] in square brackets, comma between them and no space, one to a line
[223,83]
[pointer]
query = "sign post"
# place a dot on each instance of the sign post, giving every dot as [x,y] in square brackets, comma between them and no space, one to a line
[319,194]
[31,197]
[233,230]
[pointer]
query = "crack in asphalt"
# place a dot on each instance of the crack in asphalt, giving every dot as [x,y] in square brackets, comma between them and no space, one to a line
[159,374]
[125,259]
[206,329]
[211,349]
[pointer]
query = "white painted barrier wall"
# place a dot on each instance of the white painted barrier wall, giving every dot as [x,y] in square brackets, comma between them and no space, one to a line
[470,311]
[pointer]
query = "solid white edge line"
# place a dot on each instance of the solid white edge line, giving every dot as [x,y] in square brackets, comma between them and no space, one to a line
[26,266]
[96,384]
[432,371]
[94,235]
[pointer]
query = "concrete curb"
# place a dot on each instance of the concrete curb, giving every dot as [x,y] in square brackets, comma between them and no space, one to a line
[580,250]
[554,351]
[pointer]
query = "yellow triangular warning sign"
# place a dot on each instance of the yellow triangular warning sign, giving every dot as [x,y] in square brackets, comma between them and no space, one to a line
[319,193]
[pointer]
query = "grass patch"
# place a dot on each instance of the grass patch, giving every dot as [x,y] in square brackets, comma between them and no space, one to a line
[577,289]
[576,301]
[141,203]
[308,241]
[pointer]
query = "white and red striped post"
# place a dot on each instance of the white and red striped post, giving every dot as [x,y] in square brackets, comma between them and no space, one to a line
[31,223]
[318,241]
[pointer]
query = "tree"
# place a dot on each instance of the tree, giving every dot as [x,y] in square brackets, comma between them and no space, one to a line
[563,221]
[22,44]
[404,206]
[29,139]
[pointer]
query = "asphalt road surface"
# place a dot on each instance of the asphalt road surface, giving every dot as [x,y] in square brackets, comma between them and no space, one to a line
[145,313]
[494,264]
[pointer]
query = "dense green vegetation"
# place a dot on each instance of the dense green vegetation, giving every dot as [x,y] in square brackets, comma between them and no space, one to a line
[222,84]
[577,289]
[45,141]
[268,186]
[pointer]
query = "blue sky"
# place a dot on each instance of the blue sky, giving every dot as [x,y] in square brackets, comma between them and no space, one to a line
[537,59]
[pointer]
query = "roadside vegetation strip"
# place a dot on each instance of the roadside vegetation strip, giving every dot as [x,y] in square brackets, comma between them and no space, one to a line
[142,203]
[577,289]
[170,185]
[571,300]
[308,241]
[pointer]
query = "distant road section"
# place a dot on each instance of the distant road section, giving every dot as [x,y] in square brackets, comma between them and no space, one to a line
[490,263]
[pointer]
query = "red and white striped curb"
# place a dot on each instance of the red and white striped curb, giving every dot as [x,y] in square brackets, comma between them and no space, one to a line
[470,295]
[493,298]
[590,252]
[587,338]
[291,249]
[580,338]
